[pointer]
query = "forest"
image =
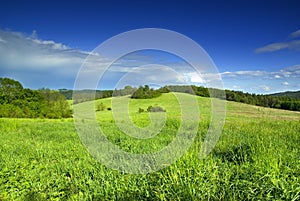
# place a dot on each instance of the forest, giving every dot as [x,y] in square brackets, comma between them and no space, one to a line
[271,101]
[19,102]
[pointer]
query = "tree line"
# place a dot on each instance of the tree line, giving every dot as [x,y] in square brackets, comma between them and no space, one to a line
[16,101]
[85,95]
[145,92]
[279,102]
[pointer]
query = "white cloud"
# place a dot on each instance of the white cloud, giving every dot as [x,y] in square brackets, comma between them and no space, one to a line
[47,63]
[295,34]
[243,73]
[240,74]
[289,72]
[21,52]
[272,47]
[291,45]
[194,77]
[153,74]
[263,81]
[41,63]
[277,76]
[51,44]
[265,88]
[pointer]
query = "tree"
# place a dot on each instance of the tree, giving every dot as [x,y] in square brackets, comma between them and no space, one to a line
[145,93]
[55,105]
[9,90]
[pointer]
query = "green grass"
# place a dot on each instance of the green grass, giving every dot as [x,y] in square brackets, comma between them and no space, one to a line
[256,158]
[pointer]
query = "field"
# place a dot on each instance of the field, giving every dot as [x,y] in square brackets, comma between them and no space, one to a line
[256,158]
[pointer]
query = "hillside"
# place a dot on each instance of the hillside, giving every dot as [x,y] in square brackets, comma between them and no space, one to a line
[290,94]
[256,156]
[169,102]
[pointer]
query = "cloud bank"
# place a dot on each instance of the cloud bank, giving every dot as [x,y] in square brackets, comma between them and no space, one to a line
[45,63]
[37,62]
[289,72]
[263,81]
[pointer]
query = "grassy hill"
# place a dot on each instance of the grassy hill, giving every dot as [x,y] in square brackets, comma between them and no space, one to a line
[257,156]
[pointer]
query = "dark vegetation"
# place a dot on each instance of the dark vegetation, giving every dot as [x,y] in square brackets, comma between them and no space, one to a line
[279,102]
[291,94]
[152,109]
[155,109]
[85,95]
[16,101]
[88,95]
[286,102]
[101,107]
[145,93]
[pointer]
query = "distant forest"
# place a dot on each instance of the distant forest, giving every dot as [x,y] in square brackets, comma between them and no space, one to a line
[16,101]
[291,94]
[281,101]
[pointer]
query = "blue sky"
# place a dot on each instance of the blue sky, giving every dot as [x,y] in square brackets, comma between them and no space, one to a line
[254,44]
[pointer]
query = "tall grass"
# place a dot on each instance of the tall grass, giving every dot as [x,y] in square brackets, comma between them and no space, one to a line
[256,158]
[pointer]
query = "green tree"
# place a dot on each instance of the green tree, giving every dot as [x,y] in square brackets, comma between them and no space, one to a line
[145,93]
[9,90]
[55,105]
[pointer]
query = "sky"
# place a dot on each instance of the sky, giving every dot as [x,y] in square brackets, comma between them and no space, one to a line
[255,45]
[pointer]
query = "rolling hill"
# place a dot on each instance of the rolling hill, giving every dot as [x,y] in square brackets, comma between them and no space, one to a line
[255,158]
[291,94]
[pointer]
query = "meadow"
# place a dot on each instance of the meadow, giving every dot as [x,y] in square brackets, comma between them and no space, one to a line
[256,158]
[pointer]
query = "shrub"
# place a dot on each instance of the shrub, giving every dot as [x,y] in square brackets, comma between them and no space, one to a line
[141,110]
[155,109]
[100,107]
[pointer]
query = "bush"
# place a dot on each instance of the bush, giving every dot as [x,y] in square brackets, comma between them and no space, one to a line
[141,110]
[100,107]
[155,109]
